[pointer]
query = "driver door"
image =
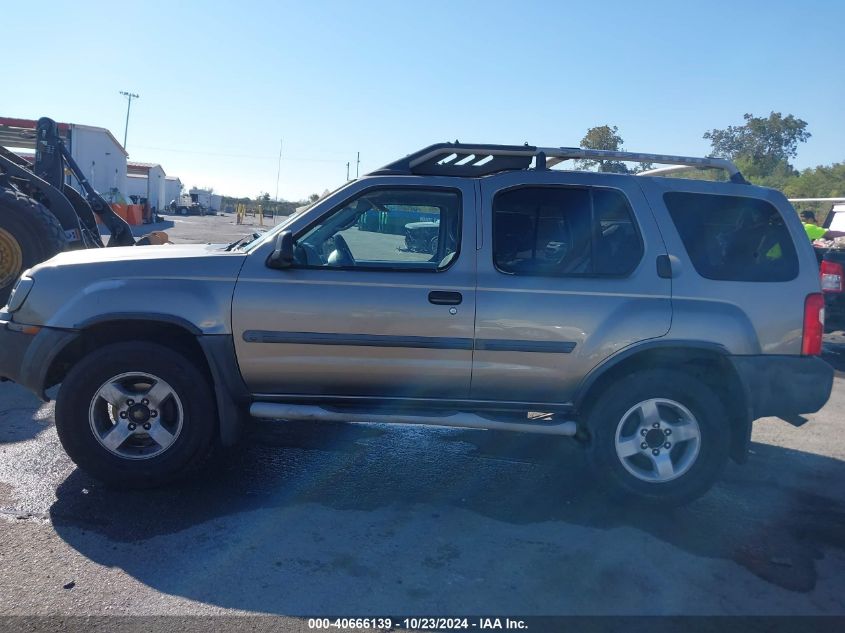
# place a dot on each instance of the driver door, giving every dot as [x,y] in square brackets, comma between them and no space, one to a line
[367,309]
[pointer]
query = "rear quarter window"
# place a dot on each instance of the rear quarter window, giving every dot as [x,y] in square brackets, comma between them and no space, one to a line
[733,238]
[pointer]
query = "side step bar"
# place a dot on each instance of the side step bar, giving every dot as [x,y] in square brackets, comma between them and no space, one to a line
[282,411]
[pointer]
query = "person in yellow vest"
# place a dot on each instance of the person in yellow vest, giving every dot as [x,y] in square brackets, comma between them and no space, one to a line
[816,232]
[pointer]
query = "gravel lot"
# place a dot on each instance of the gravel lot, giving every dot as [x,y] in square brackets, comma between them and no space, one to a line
[195,229]
[373,520]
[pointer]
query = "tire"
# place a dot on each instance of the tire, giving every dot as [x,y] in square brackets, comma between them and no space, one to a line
[29,234]
[432,245]
[680,400]
[84,419]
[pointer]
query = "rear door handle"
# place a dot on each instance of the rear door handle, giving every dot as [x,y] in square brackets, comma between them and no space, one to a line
[445,298]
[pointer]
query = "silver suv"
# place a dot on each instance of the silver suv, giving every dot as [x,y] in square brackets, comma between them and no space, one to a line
[653,319]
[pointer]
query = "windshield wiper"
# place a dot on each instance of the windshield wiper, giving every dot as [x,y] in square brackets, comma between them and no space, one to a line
[246,239]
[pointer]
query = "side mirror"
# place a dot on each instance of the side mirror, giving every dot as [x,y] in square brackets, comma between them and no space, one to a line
[282,255]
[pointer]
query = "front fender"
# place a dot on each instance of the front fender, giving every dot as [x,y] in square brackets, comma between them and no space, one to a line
[202,307]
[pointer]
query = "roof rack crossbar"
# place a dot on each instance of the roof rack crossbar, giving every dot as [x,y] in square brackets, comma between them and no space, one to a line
[428,161]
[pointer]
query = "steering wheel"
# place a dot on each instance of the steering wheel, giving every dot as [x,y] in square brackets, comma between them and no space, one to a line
[341,255]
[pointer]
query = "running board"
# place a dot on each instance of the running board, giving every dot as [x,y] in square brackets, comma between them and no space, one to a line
[464,420]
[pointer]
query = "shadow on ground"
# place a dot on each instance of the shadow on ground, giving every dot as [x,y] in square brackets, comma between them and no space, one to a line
[316,515]
[302,522]
[17,421]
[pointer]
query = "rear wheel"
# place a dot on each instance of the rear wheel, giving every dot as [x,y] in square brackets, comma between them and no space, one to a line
[136,415]
[658,437]
[29,234]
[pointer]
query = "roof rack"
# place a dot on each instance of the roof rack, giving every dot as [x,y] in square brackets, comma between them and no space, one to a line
[834,200]
[461,159]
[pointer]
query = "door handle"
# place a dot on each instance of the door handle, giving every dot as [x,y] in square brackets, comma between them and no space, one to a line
[664,267]
[445,298]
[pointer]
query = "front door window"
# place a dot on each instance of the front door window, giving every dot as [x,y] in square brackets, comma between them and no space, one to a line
[406,229]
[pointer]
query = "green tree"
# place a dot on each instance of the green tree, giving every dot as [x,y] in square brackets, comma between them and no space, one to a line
[764,145]
[824,181]
[607,138]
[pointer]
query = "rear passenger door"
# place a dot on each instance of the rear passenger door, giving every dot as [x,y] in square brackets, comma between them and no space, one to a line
[567,276]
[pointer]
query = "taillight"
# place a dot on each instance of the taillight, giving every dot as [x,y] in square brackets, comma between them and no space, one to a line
[811,339]
[831,276]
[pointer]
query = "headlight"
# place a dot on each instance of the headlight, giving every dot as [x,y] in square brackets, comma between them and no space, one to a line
[20,293]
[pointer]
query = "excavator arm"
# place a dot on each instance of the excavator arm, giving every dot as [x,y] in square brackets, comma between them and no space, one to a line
[52,157]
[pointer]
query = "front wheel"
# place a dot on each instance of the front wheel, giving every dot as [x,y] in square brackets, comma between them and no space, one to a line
[136,415]
[659,437]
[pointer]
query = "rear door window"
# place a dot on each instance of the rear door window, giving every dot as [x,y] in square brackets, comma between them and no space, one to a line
[564,231]
[733,238]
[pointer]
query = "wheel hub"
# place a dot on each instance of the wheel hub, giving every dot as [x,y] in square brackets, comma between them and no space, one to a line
[654,438]
[11,258]
[139,413]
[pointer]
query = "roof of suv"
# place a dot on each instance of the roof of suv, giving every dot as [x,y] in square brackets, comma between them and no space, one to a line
[476,160]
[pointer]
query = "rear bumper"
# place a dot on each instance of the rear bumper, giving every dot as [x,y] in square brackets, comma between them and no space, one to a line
[784,386]
[26,358]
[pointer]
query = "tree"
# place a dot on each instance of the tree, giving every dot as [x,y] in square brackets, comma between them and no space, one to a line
[824,181]
[313,197]
[607,138]
[764,144]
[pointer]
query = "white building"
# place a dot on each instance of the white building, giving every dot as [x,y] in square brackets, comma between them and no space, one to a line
[172,188]
[99,155]
[148,181]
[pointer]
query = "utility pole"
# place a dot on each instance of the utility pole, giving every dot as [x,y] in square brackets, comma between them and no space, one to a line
[279,170]
[347,170]
[129,96]
[357,164]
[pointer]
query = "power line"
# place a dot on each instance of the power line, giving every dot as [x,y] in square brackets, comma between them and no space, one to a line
[303,159]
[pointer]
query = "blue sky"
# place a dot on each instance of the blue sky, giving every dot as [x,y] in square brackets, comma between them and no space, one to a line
[222,82]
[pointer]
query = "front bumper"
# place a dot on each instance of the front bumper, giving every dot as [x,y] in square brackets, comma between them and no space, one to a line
[26,358]
[784,386]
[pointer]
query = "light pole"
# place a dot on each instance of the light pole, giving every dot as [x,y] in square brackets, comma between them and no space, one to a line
[129,96]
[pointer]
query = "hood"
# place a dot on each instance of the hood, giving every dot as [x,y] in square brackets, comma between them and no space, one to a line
[136,253]
[193,282]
